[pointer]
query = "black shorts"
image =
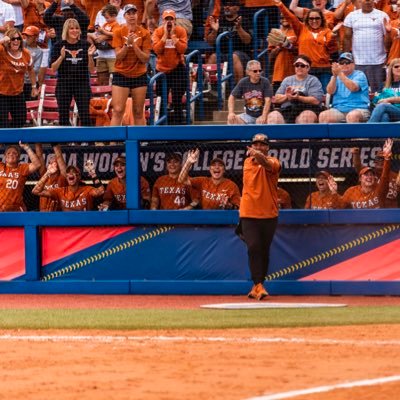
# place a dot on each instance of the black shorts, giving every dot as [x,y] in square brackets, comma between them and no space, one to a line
[127,82]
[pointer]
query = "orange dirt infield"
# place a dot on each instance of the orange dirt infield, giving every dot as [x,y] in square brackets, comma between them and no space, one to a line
[202,365]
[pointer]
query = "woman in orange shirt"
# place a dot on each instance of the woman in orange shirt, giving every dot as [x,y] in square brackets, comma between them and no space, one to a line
[76,196]
[132,49]
[315,40]
[13,176]
[216,192]
[15,61]
[259,210]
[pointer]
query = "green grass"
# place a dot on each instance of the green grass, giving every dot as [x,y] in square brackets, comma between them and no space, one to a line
[134,319]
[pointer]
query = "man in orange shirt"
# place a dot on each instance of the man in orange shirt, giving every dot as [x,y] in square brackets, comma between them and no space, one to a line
[170,44]
[259,210]
[216,192]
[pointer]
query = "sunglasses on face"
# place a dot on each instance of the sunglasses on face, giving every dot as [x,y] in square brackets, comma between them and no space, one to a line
[314,18]
[256,70]
[396,66]
[344,62]
[15,38]
[300,65]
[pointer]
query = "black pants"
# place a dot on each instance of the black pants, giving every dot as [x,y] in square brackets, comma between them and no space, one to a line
[176,83]
[78,90]
[258,235]
[15,105]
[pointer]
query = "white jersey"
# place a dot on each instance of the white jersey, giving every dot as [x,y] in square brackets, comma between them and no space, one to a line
[6,14]
[368,36]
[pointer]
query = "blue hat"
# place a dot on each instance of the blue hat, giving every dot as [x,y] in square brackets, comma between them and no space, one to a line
[346,56]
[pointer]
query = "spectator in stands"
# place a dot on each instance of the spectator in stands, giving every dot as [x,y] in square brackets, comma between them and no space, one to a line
[168,193]
[282,49]
[392,41]
[73,59]
[387,103]
[256,92]
[170,44]
[341,12]
[259,210]
[216,192]
[326,197]
[284,199]
[315,40]
[372,190]
[182,8]
[301,12]
[132,45]
[349,88]
[100,20]
[299,96]
[115,196]
[365,30]
[34,13]
[230,21]
[392,196]
[13,176]
[7,18]
[31,34]
[12,99]
[92,7]
[102,38]
[68,10]
[57,175]
[76,196]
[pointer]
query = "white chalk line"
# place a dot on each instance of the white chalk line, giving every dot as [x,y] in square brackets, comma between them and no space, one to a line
[328,388]
[158,338]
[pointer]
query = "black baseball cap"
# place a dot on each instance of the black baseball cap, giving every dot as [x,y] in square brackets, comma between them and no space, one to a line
[260,138]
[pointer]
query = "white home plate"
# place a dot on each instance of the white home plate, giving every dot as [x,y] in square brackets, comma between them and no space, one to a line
[267,304]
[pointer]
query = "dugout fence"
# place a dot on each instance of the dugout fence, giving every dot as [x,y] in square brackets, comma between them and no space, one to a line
[324,226]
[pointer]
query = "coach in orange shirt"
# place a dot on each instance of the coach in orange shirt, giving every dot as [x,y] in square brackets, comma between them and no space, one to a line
[259,209]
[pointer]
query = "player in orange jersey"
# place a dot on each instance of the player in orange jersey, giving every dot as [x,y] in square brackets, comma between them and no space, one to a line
[115,195]
[168,193]
[13,176]
[372,191]
[259,210]
[394,186]
[56,179]
[284,199]
[76,196]
[326,197]
[216,192]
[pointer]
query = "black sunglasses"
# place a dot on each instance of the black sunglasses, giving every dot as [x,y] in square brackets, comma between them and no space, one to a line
[256,70]
[344,62]
[314,18]
[15,38]
[396,66]
[300,65]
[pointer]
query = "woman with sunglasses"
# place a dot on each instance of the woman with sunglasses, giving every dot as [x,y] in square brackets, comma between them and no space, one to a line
[387,108]
[315,40]
[73,59]
[299,96]
[15,61]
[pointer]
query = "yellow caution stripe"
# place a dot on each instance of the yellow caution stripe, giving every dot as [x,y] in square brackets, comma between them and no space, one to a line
[107,253]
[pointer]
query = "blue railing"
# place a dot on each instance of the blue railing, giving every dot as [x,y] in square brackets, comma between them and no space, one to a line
[164,99]
[260,43]
[229,76]
[199,92]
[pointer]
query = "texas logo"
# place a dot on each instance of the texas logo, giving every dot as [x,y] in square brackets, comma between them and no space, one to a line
[74,54]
